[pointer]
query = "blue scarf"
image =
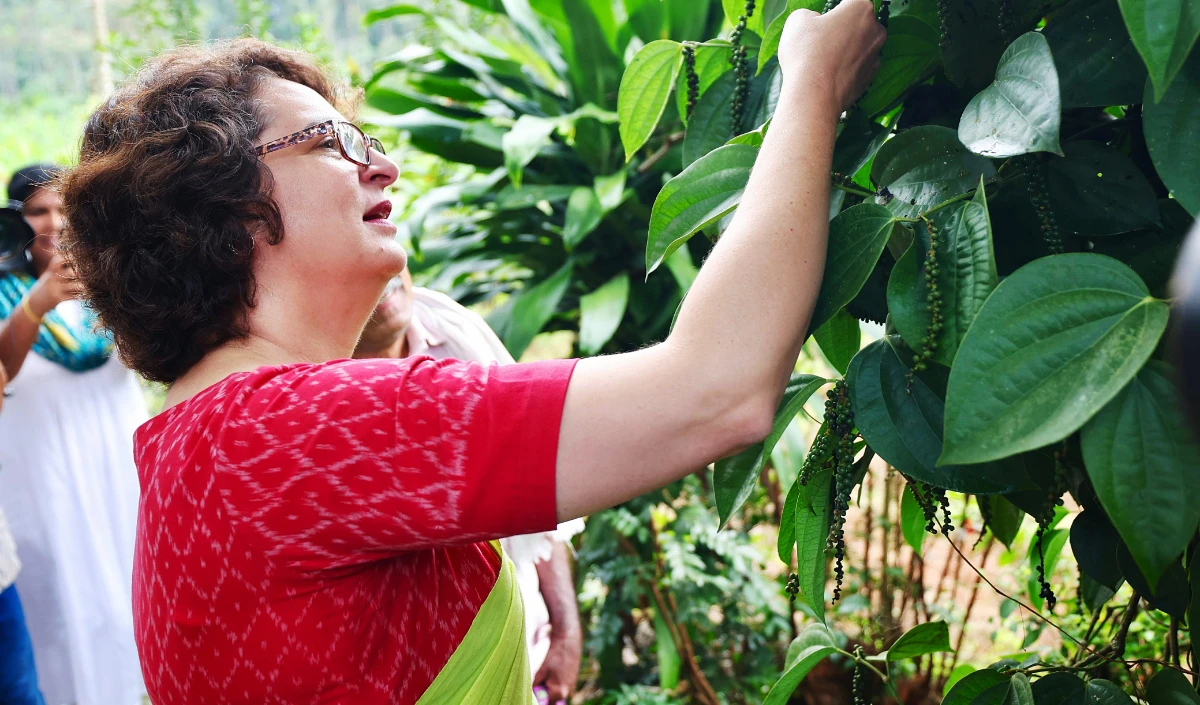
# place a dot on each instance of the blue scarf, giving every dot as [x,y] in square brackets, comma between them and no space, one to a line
[77,348]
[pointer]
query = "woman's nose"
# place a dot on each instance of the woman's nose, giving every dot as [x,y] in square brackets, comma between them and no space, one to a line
[382,170]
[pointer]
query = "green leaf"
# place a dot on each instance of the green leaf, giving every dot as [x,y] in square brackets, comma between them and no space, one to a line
[1170,687]
[1093,594]
[1140,453]
[645,89]
[735,477]
[711,124]
[1193,616]
[1020,112]
[857,143]
[1019,691]
[1102,692]
[973,685]
[905,427]
[524,315]
[1094,543]
[600,312]
[910,56]
[610,190]
[1054,343]
[960,671]
[1172,128]
[1058,689]
[1098,191]
[1006,518]
[522,143]
[966,278]
[1097,63]
[697,198]
[370,17]
[839,339]
[922,639]
[924,166]
[1052,545]
[912,520]
[1170,595]
[857,237]
[782,691]
[811,514]
[1163,32]
[669,661]
[584,213]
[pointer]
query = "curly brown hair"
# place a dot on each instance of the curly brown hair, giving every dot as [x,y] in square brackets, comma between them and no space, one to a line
[168,198]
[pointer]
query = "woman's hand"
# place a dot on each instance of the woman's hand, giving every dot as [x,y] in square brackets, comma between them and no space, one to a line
[838,51]
[56,285]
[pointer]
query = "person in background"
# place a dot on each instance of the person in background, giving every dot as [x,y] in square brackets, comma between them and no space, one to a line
[412,321]
[68,481]
[18,676]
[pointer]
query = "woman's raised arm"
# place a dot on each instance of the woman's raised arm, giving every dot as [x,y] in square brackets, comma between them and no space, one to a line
[640,420]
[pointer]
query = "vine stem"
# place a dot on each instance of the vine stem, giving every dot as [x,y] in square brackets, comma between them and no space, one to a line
[856,191]
[671,140]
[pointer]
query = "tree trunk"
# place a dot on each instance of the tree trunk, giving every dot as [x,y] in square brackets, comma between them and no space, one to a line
[104,75]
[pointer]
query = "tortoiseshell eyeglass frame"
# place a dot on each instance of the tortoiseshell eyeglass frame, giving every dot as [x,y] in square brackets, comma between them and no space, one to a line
[329,127]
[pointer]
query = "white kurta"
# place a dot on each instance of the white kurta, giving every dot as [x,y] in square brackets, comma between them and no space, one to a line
[70,489]
[440,328]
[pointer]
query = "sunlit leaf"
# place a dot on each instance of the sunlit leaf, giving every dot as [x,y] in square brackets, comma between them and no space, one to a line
[924,166]
[1021,111]
[601,312]
[645,88]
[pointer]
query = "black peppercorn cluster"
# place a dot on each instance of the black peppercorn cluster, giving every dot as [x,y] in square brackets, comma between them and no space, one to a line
[930,499]
[1007,22]
[885,11]
[829,5]
[943,10]
[929,344]
[693,81]
[741,66]
[1054,498]
[1039,196]
[793,586]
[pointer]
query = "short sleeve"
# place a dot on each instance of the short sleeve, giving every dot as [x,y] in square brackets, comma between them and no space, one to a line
[340,462]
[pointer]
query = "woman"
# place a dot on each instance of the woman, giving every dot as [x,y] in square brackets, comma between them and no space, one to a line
[67,479]
[317,529]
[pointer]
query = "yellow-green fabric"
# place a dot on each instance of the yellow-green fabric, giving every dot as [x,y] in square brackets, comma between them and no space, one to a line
[491,665]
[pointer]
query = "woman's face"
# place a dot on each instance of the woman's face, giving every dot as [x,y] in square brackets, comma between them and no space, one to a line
[44,213]
[334,211]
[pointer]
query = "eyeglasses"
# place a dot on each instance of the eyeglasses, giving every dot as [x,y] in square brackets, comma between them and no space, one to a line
[354,144]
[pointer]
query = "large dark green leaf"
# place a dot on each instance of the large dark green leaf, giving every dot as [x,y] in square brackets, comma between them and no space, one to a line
[1163,32]
[1172,128]
[912,520]
[734,477]
[967,276]
[922,639]
[800,662]
[974,685]
[811,511]
[905,427]
[701,195]
[839,339]
[857,237]
[1140,454]
[1094,543]
[925,166]
[857,143]
[1102,692]
[1194,603]
[1098,191]
[1019,691]
[645,89]
[1006,518]
[523,316]
[711,124]
[1058,689]
[1097,63]
[600,313]
[1171,687]
[1172,594]
[1054,343]
[1020,112]
[910,55]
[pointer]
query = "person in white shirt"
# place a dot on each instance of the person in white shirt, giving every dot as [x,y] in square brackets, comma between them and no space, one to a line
[410,321]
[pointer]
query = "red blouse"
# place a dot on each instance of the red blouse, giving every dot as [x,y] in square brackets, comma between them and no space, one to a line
[305,532]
